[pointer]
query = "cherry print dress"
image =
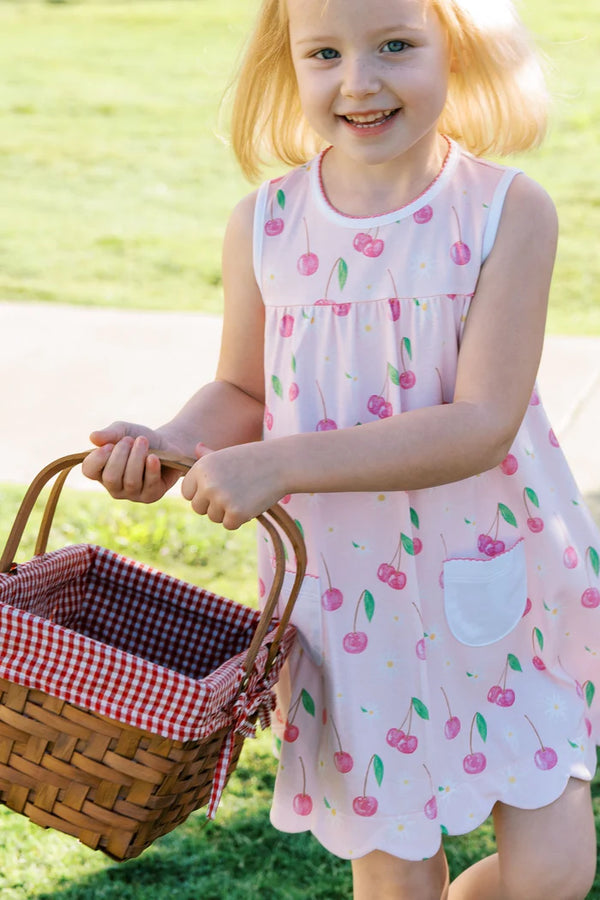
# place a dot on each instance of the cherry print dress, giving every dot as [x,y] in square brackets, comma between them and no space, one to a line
[449,638]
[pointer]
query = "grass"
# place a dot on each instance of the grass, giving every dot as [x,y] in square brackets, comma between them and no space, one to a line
[116,188]
[239,856]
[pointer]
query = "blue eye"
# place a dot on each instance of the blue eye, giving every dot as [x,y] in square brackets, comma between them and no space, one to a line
[394,46]
[327,53]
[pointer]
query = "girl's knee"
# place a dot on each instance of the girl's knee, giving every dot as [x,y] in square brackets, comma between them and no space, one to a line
[388,878]
[568,878]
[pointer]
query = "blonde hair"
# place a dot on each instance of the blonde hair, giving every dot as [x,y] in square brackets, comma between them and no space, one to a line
[497,96]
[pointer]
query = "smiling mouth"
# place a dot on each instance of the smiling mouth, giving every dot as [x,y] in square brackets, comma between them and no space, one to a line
[370,120]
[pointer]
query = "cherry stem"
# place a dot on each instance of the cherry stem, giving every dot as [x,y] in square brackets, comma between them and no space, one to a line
[336,263]
[430,778]
[445,547]
[527,510]
[371,761]
[356,610]
[537,734]
[421,618]
[322,399]
[327,570]
[458,224]
[294,709]
[393,284]
[447,701]
[471,734]
[398,553]
[336,733]
[303,776]
[307,238]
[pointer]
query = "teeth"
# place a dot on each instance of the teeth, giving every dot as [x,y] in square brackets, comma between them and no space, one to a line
[371,118]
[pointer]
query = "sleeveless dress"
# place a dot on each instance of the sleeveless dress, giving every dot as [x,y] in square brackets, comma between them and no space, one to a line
[449,638]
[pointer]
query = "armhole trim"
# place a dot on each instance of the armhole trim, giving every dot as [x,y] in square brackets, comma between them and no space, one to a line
[495,214]
[258,235]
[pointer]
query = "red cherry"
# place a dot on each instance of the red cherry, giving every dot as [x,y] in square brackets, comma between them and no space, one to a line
[286,326]
[509,464]
[408,380]
[394,736]
[355,642]
[293,391]
[326,425]
[374,248]
[545,759]
[421,649]
[452,728]
[341,309]
[397,580]
[386,411]
[308,264]
[505,698]
[291,733]
[364,806]
[361,240]
[423,215]
[431,808]
[408,744]
[384,571]
[274,227]
[375,402]
[590,598]
[494,692]
[474,763]
[460,253]
[417,545]
[535,524]
[303,804]
[394,304]
[343,762]
[538,663]
[570,558]
[332,599]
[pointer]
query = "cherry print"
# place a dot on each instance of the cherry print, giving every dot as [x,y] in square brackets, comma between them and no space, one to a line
[534,523]
[292,732]
[364,805]
[402,740]
[286,326]
[343,761]
[431,808]
[356,641]
[308,263]
[452,725]
[499,693]
[545,758]
[303,804]
[274,226]
[324,424]
[590,598]
[394,302]
[509,464]
[388,573]
[460,253]
[475,762]
[423,215]
[538,662]
[489,545]
[332,598]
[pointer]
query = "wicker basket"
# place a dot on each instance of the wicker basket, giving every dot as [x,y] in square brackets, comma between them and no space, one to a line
[126,694]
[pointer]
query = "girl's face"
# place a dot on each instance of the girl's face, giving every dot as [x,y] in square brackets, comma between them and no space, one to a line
[372,75]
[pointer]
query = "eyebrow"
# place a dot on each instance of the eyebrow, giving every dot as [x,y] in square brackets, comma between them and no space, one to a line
[380,32]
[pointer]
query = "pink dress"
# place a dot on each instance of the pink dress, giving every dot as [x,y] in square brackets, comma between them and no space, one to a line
[450,637]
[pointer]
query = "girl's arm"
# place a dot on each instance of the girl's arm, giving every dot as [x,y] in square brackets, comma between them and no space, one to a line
[225,412]
[498,361]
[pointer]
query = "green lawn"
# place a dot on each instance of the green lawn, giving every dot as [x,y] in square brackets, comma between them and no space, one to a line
[116,188]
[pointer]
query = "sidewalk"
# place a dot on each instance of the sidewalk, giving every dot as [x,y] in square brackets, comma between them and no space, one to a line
[66,370]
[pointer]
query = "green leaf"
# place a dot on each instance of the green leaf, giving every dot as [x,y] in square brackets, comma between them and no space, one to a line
[300,528]
[574,745]
[594,559]
[532,496]
[281,198]
[293,363]
[408,544]
[408,346]
[378,769]
[394,375]
[420,708]
[590,690]
[443,829]
[342,273]
[507,515]
[414,517]
[308,703]
[539,637]
[481,727]
[369,602]
[354,544]
[278,744]
[514,663]
[326,802]
[277,387]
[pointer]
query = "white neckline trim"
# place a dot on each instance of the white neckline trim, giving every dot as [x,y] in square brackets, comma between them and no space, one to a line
[396,215]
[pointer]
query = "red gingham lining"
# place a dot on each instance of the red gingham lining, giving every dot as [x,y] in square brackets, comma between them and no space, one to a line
[114,636]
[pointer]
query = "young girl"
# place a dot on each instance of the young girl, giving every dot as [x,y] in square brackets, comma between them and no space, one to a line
[384,311]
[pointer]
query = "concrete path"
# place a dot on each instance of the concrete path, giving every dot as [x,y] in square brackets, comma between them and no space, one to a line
[66,370]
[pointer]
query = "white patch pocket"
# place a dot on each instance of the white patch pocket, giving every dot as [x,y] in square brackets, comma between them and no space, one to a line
[484,599]
[307,614]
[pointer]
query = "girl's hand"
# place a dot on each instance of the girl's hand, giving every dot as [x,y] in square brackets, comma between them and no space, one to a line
[233,485]
[124,466]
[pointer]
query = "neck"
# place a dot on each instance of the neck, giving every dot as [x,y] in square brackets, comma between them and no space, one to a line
[361,190]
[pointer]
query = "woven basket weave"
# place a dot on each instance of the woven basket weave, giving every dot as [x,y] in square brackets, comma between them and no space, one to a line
[126,694]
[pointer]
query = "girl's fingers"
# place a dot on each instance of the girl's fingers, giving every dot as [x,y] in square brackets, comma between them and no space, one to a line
[135,468]
[93,465]
[114,471]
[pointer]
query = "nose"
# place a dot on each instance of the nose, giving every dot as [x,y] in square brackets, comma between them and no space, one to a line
[360,78]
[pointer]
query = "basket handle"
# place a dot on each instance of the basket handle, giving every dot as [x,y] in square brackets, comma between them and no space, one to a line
[275,516]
